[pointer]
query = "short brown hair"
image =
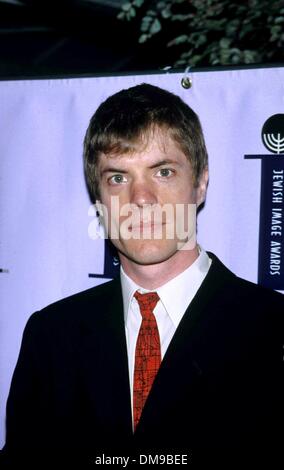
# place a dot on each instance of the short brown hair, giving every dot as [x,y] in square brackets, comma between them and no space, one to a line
[124,118]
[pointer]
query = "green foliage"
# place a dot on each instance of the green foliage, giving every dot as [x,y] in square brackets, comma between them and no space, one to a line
[213,32]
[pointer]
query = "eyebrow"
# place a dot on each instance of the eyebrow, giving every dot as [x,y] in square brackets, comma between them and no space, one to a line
[164,162]
[112,170]
[155,165]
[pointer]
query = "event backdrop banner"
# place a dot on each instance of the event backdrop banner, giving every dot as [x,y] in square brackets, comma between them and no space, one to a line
[47,245]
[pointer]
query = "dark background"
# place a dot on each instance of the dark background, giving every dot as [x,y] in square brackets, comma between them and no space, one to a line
[71,37]
[53,38]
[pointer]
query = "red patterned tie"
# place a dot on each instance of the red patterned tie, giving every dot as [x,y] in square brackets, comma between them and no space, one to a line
[147,353]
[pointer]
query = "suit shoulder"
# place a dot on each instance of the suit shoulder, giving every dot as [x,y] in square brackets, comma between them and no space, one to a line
[257,307]
[77,305]
[259,292]
[246,301]
[239,286]
[102,290]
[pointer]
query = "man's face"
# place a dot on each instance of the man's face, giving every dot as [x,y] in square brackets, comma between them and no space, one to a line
[149,200]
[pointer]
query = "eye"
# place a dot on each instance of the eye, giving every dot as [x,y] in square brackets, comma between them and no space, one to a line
[117,179]
[165,172]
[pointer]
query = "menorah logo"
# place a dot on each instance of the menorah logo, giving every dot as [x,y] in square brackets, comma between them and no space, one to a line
[273,133]
[271,214]
[274,142]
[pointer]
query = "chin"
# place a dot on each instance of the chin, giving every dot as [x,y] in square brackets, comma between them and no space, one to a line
[148,252]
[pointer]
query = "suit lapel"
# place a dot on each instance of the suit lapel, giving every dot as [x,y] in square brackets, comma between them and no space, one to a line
[181,366]
[105,364]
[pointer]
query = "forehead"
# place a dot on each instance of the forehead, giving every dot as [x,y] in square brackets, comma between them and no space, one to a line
[151,147]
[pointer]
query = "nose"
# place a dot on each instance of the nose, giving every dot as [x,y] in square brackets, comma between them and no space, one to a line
[142,192]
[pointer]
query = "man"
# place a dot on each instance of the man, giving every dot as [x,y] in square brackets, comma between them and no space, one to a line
[177,358]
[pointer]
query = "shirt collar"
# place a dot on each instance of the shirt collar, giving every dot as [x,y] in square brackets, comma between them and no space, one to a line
[182,288]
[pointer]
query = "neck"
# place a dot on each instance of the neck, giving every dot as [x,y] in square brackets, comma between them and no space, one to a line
[153,276]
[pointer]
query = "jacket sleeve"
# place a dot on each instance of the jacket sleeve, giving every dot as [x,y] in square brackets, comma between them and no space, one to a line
[26,405]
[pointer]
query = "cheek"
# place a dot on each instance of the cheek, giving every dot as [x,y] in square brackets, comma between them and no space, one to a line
[114,193]
[115,211]
[190,192]
[183,194]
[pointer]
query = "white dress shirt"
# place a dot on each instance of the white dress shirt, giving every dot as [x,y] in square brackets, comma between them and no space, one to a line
[175,297]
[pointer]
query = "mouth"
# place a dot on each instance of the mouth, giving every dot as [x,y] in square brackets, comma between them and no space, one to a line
[146,226]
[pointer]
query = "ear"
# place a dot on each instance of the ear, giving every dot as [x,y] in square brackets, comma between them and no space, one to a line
[99,209]
[202,187]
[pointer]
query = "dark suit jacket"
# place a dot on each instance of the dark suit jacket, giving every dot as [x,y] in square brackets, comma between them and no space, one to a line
[218,393]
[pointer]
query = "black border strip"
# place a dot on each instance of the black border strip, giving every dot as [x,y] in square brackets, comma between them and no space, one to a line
[165,70]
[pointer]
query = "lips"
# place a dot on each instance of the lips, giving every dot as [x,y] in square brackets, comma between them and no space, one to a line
[145,226]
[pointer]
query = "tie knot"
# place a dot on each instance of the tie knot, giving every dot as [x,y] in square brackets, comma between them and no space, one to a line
[147,302]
